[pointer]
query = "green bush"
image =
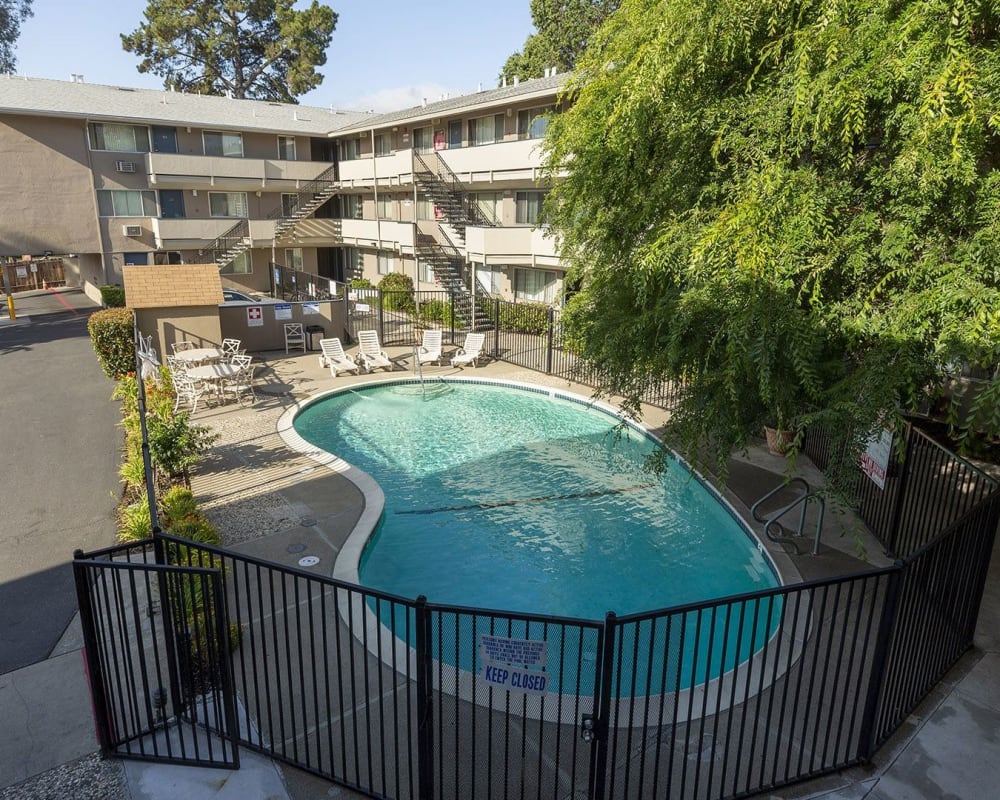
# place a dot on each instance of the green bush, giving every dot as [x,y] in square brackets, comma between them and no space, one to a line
[524,317]
[113,296]
[361,283]
[111,333]
[180,517]
[133,521]
[436,311]
[397,292]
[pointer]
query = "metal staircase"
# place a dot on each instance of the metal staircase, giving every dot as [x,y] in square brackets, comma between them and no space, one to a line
[441,186]
[236,241]
[773,528]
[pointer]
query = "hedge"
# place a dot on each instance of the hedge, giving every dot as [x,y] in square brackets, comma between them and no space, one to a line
[112,335]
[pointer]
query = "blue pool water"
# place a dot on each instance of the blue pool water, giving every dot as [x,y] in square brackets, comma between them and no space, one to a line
[507,499]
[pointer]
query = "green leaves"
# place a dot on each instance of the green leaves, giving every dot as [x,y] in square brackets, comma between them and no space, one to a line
[258,49]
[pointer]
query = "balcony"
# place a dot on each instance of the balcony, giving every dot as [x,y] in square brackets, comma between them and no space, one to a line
[392,170]
[521,246]
[176,171]
[489,163]
[190,234]
[383,234]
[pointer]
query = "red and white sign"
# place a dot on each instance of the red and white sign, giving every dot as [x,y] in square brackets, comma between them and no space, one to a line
[255,317]
[875,459]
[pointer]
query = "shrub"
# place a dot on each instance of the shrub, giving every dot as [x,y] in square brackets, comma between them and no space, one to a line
[113,296]
[397,292]
[111,333]
[436,311]
[524,317]
[175,444]
[361,283]
[133,521]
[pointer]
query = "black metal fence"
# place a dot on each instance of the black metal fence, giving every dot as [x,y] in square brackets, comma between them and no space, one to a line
[927,488]
[529,335]
[390,696]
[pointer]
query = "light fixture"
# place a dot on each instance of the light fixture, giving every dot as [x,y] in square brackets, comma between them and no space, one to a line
[194,192]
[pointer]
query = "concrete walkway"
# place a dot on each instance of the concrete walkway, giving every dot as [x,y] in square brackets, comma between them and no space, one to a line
[265,498]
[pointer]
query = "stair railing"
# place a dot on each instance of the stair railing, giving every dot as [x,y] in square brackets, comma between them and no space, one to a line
[773,528]
[229,244]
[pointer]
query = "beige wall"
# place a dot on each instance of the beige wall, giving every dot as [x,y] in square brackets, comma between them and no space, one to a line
[47,197]
[168,325]
[271,334]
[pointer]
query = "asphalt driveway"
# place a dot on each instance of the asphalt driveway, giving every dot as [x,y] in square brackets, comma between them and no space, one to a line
[59,454]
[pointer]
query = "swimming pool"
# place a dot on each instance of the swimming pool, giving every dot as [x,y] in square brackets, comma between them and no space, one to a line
[505,498]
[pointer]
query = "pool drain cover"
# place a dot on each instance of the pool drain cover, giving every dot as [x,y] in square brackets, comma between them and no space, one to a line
[308,561]
[307,522]
[295,548]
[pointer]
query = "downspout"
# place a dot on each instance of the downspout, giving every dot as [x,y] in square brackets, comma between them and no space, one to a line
[378,217]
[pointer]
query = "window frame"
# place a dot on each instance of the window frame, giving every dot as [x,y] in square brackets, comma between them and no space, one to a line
[213,215]
[423,148]
[389,261]
[283,153]
[350,149]
[526,218]
[499,130]
[296,256]
[288,208]
[549,287]
[383,145]
[244,259]
[92,137]
[533,115]
[385,207]
[222,143]
[146,198]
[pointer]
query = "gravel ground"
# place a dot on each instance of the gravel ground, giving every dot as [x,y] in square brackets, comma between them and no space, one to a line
[90,778]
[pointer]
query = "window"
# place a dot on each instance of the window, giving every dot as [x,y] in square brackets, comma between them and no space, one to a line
[383,144]
[532,122]
[352,261]
[136,259]
[164,139]
[385,206]
[423,140]
[289,204]
[168,257]
[487,207]
[529,207]
[425,272]
[229,145]
[241,265]
[486,130]
[490,276]
[385,265]
[227,204]
[353,207]
[171,204]
[120,138]
[286,148]
[126,203]
[350,149]
[455,133]
[535,286]
[293,258]
[425,207]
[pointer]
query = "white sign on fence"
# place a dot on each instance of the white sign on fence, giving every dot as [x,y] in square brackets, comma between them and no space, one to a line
[282,310]
[875,459]
[515,665]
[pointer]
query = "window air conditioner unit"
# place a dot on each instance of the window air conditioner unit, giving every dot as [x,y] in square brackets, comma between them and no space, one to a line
[132,230]
[125,166]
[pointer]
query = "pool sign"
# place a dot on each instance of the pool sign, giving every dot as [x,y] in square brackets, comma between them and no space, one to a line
[875,459]
[282,310]
[255,317]
[515,665]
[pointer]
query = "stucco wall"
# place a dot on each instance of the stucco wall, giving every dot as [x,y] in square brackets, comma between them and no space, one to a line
[270,335]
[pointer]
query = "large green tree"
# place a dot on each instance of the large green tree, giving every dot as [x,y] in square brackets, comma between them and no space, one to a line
[260,49]
[562,29]
[12,14]
[791,205]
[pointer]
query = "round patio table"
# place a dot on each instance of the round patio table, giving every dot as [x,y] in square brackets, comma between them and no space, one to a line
[200,355]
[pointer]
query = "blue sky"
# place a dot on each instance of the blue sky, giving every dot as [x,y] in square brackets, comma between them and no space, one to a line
[383,55]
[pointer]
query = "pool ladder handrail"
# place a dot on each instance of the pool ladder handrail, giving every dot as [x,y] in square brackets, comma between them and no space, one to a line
[771,519]
[419,369]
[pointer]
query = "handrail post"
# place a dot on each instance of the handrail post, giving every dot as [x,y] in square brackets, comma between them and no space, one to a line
[599,745]
[876,683]
[897,511]
[425,701]
[548,350]
[91,653]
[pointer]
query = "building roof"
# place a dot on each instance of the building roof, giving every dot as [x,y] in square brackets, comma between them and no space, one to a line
[46,97]
[523,90]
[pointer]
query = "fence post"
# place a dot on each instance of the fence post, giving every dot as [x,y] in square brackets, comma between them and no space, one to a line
[548,350]
[451,306]
[381,317]
[95,676]
[599,751]
[880,659]
[897,511]
[496,328]
[425,701]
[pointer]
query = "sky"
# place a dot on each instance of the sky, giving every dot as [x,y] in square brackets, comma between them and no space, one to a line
[382,56]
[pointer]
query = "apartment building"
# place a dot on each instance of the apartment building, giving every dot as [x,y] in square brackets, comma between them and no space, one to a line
[447,192]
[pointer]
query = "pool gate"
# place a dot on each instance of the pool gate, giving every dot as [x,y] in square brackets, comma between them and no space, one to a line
[193,650]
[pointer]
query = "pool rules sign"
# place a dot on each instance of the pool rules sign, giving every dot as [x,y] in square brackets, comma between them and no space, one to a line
[514,665]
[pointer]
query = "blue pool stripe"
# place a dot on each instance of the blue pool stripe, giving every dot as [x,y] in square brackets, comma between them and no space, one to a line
[501,503]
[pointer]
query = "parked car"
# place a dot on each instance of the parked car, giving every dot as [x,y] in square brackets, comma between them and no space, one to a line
[234,296]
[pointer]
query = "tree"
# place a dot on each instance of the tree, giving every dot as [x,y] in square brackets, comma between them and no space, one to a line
[563,29]
[259,49]
[793,207]
[12,14]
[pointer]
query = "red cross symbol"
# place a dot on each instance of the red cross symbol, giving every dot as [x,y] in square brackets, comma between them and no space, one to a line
[255,312]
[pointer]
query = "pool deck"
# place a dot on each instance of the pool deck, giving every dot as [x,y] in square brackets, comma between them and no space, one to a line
[275,503]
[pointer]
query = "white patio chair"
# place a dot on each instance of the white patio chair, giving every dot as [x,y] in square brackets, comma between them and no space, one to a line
[332,355]
[470,352]
[187,391]
[430,348]
[370,354]
[230,348]
[295,337]
[180,347]
[240,385]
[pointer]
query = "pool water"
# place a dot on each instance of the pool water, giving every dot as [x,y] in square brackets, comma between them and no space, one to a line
[508,499]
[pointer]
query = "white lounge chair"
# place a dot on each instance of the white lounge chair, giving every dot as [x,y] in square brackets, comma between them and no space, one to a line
[332,355]
[430,348]
[370,354]
[469,352]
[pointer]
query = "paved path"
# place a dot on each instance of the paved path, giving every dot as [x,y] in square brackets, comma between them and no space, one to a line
[60,448]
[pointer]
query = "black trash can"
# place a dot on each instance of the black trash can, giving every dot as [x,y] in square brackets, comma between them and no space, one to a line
[311,331]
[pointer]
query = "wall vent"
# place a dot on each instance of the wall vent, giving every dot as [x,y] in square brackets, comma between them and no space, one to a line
[125,166]
[132,230]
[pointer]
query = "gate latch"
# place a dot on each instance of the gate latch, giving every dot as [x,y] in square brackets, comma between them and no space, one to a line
[588,731]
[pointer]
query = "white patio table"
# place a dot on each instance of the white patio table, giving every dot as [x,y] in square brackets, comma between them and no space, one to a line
[200,355]
[213,374]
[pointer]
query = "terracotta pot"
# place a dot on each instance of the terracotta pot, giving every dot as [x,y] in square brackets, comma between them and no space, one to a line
[778,441]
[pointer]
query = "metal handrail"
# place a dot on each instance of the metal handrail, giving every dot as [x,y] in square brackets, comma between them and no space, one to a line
[225,242]
[772,519]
